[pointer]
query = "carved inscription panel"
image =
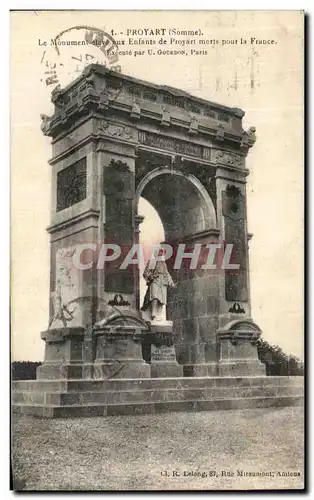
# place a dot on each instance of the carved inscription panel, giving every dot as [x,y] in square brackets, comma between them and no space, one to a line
[71,185]
[234,213]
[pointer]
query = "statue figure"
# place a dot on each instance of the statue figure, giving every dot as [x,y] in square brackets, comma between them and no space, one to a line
[45,124]
[136,110]
[166,117]
[158,279]
[252,135]
[248,138]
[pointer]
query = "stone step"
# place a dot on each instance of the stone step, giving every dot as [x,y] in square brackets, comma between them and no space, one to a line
[150,384]
[40,385]
[156,395]
[90,410]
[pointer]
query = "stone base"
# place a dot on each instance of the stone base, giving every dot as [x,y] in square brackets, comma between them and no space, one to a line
[87,398]
[50,371]
[238,350]
[122,369]
[63,354]
[163,356]
[166,369]
[241,368]
[200,370]
[119,347]
[163,361]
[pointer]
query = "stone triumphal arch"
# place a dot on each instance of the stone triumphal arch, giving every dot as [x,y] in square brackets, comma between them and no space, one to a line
[116,139]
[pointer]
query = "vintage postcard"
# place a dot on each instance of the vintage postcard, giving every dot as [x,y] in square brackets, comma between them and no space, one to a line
[157,172]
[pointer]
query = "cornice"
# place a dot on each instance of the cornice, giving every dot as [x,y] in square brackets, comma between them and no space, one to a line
[90,97]
[58,226]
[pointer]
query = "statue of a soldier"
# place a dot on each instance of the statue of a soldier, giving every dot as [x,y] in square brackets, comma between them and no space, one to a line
[158,279]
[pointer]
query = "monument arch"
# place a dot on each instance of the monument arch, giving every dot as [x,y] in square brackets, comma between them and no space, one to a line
[115,139]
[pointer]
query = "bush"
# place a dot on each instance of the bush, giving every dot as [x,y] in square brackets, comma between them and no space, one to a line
[277,362]
[24,370]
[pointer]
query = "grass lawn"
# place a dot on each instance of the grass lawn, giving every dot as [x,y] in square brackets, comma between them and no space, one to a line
[194,451]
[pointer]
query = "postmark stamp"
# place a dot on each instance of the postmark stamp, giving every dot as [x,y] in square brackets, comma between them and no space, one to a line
[66,55]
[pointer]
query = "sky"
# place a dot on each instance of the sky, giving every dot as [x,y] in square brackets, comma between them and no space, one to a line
[265,80]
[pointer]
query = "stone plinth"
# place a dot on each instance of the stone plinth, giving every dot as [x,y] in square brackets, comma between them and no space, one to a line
[118,341]
[63,353]
[163,356]
[88,398]
[200,370]
[119,353]
[238,351]
[192,358]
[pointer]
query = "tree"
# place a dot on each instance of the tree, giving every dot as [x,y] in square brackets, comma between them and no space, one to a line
[277,362]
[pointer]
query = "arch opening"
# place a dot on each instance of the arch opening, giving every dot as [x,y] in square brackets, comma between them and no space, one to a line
[181,201]
[175,206]
[151,233]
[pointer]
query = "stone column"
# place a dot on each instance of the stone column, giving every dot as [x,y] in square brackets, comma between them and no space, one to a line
[93,168]
[231,213]
[194,308]
[118,159]
[75,222]
[138,220]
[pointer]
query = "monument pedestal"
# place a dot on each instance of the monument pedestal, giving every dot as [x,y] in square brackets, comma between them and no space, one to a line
[119,353]
[118,341]
[63,354]
[163,357]
[238,351]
